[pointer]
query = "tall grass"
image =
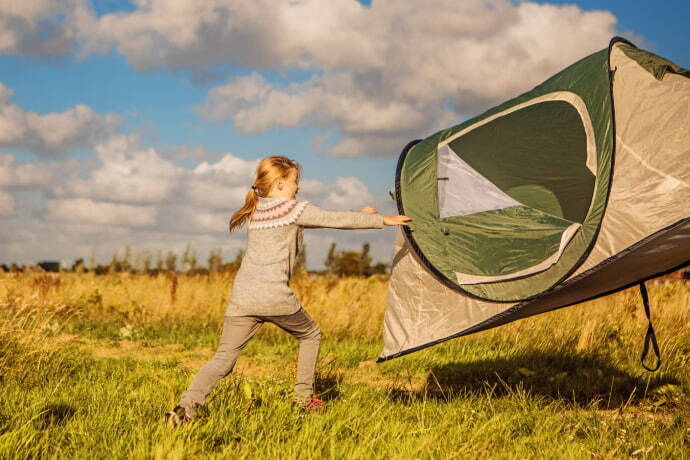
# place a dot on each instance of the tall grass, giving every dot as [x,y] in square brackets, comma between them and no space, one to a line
[88,365]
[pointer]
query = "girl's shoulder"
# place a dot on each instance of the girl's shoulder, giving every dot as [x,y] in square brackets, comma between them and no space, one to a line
[276,212]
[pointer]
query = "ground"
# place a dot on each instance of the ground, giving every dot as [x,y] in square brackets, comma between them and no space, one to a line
[91,363]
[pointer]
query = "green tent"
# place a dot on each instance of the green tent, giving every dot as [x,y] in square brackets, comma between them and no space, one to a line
[573,190]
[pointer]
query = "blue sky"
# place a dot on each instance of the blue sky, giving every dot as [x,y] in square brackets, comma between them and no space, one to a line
[349,111]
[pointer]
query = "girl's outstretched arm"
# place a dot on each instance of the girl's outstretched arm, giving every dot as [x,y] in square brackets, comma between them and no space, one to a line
[313,217]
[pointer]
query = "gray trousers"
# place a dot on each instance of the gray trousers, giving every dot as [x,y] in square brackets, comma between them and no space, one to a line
[237,332]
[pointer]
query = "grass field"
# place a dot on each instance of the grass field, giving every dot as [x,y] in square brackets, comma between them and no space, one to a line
[89,364]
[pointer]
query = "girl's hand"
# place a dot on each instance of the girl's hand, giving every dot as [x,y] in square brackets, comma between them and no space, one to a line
[369,210]
[396,220]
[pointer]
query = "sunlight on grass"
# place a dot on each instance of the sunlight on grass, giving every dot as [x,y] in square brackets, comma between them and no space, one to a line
[90,363]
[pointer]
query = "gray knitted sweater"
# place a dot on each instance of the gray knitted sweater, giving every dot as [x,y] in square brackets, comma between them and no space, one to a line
[274,240]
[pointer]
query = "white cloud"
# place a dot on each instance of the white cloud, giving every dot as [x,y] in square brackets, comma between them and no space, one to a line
[188,34]
[211,221]
[399,70]
[6,204]
[128,173]
[161,193]
[368,125]
[220,185]
[194,221]
[72,227]
[345,194]
[138,198]
[52,133]
[185,152]
[25,176]
[84,210]
[229,168]
[381,74]
[213,195]
[40,27]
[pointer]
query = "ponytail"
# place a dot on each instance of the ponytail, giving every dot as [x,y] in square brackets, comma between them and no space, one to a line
[240,217]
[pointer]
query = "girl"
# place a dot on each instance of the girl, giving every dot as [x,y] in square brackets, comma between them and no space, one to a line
[260,292]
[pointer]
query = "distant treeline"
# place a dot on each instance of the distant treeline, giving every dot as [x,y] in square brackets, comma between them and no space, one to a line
[338,263]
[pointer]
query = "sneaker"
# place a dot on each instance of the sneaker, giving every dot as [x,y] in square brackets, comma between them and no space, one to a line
[178,416]
[311,404]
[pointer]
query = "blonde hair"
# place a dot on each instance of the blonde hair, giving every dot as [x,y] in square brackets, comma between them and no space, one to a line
[270,169]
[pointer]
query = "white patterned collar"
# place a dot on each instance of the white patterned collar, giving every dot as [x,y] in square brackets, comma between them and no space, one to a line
[272,212]
[269,201]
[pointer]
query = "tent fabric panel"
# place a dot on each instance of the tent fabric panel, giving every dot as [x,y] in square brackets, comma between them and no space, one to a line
[499,242]
[591,82]
[665,251]
[650,188]
[655,65]
[537,155]
[588,79]
[566,236]
[668,249]
[462,190]
[567,96]
[421,309]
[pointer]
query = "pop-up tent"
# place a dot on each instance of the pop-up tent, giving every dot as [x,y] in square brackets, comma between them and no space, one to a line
[574,190]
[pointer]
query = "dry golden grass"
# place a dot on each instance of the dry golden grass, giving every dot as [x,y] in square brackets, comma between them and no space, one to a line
[345,308]
[82,356]
[349,306]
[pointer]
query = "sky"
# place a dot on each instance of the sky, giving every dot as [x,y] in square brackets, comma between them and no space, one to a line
[139,123]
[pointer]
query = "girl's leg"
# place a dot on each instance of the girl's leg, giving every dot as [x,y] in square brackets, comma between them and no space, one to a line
[237,331]
[304,329]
